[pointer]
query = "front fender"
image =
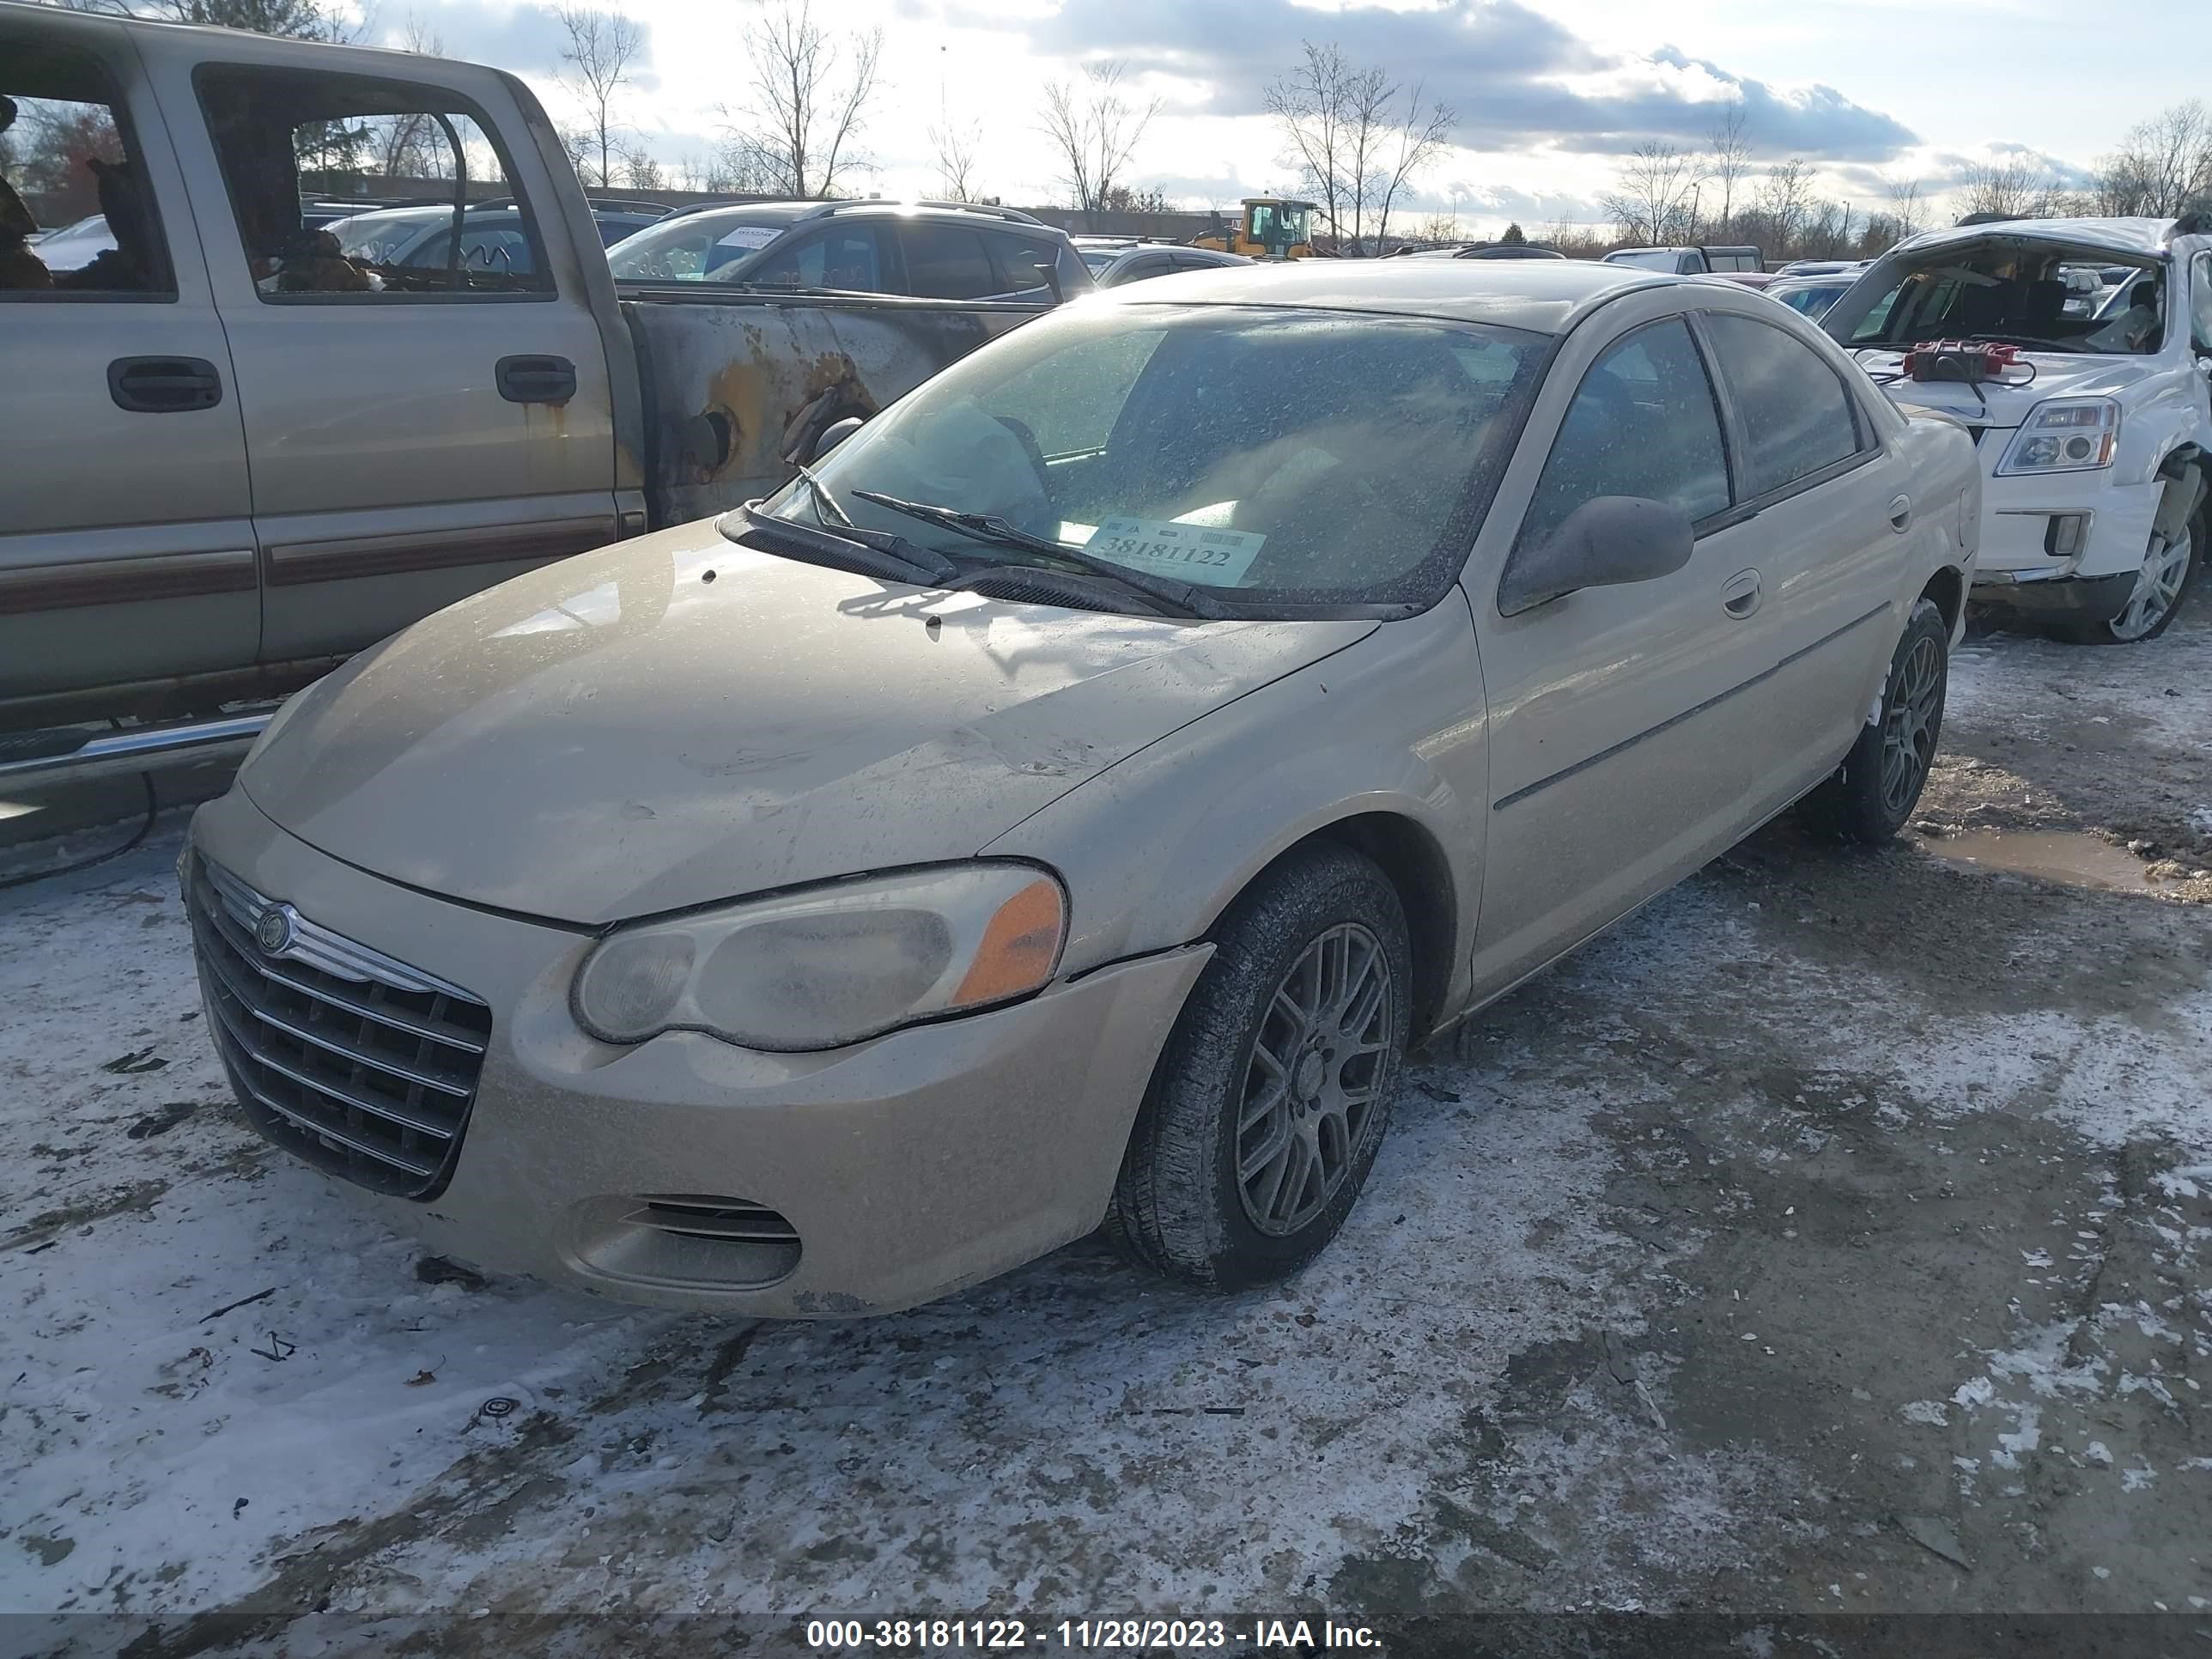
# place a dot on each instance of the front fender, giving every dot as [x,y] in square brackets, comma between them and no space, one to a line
[1155,848]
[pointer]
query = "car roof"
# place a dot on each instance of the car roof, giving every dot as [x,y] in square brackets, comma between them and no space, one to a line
[1545,296]
[2148,236]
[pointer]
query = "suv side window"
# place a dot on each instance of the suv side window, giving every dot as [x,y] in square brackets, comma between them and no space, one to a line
[849,257]
[2200,303]
[1796,416]
[281,134]
[68,166]
[946,262]
[1642,422]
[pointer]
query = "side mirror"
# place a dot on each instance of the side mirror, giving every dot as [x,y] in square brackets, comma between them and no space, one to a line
[1606,541]
[833,435]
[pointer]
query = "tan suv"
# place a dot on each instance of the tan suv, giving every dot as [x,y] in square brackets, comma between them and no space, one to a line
[1071,799]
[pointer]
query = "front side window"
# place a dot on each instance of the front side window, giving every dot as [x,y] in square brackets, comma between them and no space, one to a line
[1796,415]
[283,134]
[1643,424]
[77,217]
[1023,262]
[946,262]
[847,256]
[1281,457]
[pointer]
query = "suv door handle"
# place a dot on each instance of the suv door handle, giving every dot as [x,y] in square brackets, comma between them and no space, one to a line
[163,385]
[537,380]
[1900,513]
[1740,594]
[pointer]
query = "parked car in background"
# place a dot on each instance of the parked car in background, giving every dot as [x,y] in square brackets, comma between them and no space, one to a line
[1144,260]
[236,454]
[1690,261]
[1074,798]
[73,246]
[1819,267]
[1810,296]
[924,251]
[2095,432]
[1488,251]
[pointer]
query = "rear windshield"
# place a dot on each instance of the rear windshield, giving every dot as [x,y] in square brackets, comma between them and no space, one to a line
[2035,297]
[698,247]
[1311,457]
[1650,258]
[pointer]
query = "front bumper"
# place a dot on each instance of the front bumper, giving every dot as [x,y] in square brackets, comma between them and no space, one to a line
[908,1166]
[2017,518]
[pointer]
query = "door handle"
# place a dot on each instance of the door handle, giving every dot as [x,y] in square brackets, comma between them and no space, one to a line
[1740,594]
[1900,513]
[537,380]
[163,385]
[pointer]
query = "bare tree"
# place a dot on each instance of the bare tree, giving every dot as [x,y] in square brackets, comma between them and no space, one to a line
[1093,130]
[293,19]
[410,145]
[1785,196]
[1730,149]
[2163,166]
[2006,185]
[1357,138]
[1652,196]
[955,147]
[1908,205]
[603,48]
[812,92]
[640,170]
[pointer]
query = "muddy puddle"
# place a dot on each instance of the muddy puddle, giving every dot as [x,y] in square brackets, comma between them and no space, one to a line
[2071,856]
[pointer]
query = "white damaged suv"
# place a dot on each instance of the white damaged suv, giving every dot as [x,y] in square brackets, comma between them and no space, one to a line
[2092,412]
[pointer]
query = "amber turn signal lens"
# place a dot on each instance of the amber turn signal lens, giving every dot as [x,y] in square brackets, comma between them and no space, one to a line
[1020,948]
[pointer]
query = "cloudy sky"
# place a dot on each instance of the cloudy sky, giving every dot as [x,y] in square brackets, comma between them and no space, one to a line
[1548,94]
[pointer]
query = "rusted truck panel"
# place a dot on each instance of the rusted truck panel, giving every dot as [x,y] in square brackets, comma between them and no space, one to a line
[739,387]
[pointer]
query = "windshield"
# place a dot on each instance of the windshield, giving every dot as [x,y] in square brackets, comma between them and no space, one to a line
[698,247]
[1813,298]
[2026,296]
[1273,456]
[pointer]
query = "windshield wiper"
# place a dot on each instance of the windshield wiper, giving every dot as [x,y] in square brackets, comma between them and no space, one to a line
[863,552]
[1180,597]
[824,500]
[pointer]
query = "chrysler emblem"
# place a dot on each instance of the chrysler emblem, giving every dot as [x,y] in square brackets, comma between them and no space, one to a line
[273,933]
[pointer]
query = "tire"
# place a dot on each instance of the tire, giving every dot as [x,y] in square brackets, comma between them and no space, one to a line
[1870,796]
[2161,588]
[1312,961]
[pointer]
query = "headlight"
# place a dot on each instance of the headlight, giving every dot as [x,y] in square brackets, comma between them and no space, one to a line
[830,965]
[2067,434]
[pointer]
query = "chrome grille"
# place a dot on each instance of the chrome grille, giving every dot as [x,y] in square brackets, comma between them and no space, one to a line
[348,1057]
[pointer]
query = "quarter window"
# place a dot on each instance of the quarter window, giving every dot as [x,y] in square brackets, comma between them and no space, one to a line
[284,136]
[1023,262]
[1796,415]
[1642,422]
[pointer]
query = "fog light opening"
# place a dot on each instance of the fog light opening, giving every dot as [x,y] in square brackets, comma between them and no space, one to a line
[2063,536]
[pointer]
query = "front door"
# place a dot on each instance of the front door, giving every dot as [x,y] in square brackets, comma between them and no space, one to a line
[1619,759]
[126,546]
[416,432]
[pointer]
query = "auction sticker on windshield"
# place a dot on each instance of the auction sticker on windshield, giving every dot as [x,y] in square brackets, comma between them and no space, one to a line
[1187,552]
[749,236]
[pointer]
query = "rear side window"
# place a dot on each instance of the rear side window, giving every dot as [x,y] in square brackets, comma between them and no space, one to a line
[279,134]
[1643,424]
[946,262]
[1797,416]
[71,177]
[1020,263]
[847,257]
[2200,303]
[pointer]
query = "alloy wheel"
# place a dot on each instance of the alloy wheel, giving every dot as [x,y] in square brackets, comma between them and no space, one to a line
[1910,722]
[1318,1067]
[2157,589]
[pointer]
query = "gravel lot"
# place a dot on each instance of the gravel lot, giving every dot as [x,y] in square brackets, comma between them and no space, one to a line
[1831,1238]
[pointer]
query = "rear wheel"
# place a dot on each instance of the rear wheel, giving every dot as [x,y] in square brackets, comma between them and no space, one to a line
[1868,798]
[2161,584]
[1272,1094]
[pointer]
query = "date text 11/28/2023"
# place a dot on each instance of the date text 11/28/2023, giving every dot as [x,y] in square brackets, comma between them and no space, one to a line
[1086,1635]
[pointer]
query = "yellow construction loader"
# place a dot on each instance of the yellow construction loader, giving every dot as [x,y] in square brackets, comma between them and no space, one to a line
[1270,228]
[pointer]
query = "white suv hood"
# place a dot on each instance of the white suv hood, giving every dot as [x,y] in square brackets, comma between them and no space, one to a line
[2057,374]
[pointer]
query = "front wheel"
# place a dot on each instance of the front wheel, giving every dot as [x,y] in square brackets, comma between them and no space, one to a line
[1868,798]
[1272,1094]
[2161,584]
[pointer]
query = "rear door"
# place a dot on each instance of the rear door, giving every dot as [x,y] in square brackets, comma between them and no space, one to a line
[127,546]
[415,433]
[1827,523]
[1627,742]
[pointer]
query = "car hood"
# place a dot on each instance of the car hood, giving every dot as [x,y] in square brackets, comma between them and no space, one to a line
[675,720]
[2057,374]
